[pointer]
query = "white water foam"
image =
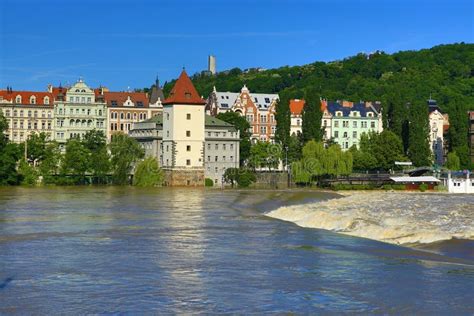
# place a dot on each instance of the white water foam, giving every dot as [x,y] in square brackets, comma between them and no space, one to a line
[393,217]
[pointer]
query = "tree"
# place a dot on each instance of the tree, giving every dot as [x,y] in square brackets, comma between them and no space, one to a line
[453,162]
[76,162]
[419,150]
[3,128]
[28,174]
[95,142]
[9,155]
[125,151]
[36,146]
[49,166]
[458,130]
[265,155]
[243,126]
[311,126]
[283,122]
[148,173]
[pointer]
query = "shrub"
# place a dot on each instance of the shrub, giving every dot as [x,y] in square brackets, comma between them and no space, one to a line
[28,174]
[208,182]
[423,187]
[245,178]
[342,186]
[387,187]
[398,187]
[148,173]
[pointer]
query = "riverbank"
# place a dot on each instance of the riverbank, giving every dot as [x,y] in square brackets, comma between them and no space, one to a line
[402,218]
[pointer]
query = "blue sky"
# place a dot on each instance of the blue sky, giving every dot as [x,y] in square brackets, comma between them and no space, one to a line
[123,44]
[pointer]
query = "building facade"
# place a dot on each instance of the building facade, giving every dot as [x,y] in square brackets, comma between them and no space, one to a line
[78,110]
[439,125]
[189,144]
[27,112]
[258,108]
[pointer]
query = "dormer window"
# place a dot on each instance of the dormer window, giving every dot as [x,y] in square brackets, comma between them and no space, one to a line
[113,103]
[338,113]
[77,90]
[187,95]
[370,114]
[83,90]
[18,99]
[46,100]
[32,99]
[139,103]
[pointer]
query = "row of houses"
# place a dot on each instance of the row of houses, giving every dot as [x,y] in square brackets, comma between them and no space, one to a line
[65,112]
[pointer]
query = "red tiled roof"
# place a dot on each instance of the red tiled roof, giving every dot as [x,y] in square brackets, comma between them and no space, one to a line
[121,97]
[184,92]
[10,96]
[324,105]
[296,106]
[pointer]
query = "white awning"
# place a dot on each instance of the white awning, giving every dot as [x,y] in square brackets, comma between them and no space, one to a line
[415,179]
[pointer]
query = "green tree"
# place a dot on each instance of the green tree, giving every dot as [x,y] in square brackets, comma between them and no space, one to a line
[9,155]
[265,155]
[453,162]
[76,162]
[311,116]
[419,150]
[28,174]
[458,131]
[36,146]
[283,122]
[148,173]
[95,142]
[49,166]
[243,126]
[3,128]
[125,152]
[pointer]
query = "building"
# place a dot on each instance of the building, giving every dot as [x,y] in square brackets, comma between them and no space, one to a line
[439,125]
[343,121]
[296,120]
[27,112]
[78,110]
[471,134]
[189,144]
[124,109]
[212,65]
[257,108]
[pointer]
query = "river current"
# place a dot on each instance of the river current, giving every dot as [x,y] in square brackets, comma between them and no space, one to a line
[99,250]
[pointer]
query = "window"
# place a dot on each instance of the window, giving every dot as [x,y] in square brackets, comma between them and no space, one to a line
[167,116]
[208,146]
[18,99]
[188,162]
[231,146]
[354,124]
[46,100]
[267,100]
[336,123]
[208,158]
[77,99]
[29,114]
[372,124]
[215,159]
[21,113]
[345,123]
[83,99]
[216,146]
[167,133]
[33,99]
[188,148]
[325,123]
[223,146]
[89,100]
[188,133]
[188,116]
[129,116]
[354,134]
[345,135]
[36,113]
[232,158]
[223,158]
[122,116]
[336,134]
[15,113]
[167,148]
[298,122]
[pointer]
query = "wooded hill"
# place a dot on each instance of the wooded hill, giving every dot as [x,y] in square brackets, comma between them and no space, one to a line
[444,72]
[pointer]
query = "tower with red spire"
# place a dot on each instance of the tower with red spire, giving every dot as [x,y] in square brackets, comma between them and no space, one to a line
[183,135]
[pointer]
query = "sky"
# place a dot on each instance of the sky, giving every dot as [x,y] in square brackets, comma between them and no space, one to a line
[126,44]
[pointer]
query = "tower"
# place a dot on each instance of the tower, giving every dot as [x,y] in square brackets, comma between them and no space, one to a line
[183,135]
[212,64]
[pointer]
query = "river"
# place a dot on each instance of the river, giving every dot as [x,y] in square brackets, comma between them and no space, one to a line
[99,250]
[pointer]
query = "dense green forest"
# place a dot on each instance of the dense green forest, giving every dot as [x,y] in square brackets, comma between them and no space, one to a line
[444,72]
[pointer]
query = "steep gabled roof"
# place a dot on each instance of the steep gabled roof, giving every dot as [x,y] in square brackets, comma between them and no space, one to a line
[10,96]
[184,92]
[296,106]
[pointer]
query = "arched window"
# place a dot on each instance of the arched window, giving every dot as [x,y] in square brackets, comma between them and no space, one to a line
[18,99]
[121,116]
[77,90]
[71,123]
[36,114]
[15,113]
[32,99]
[129,116]
[135,116]
[46,100]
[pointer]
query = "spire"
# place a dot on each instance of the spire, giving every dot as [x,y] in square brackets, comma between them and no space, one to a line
[157,82]
[184,92]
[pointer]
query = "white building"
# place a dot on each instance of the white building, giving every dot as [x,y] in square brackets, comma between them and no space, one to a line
[439,124]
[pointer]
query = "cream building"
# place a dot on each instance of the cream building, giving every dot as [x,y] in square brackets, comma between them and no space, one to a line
[27,112]
[78,110]
[183,134]
[439,124]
